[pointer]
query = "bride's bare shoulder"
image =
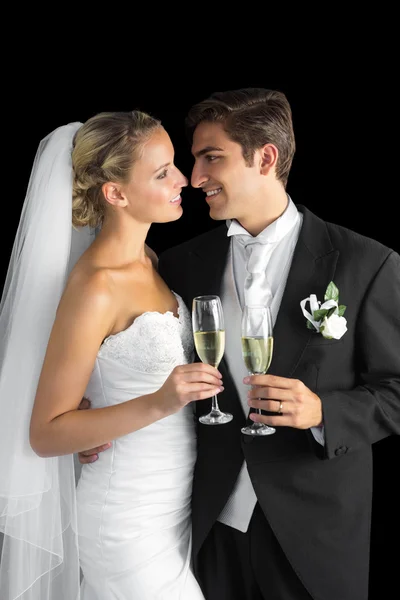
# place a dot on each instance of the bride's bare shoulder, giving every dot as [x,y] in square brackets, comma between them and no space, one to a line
[88,284]
[152,255]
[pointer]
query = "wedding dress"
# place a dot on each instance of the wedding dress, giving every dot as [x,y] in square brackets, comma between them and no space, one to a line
[133,503]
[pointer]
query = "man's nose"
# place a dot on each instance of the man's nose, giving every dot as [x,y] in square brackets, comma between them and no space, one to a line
[198,178]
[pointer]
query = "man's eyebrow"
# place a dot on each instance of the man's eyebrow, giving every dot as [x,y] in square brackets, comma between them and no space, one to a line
[207,149]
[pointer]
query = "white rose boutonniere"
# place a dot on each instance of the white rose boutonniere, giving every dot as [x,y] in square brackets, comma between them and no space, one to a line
[326,318]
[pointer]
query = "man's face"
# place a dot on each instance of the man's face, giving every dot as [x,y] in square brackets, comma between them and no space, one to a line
[220,170]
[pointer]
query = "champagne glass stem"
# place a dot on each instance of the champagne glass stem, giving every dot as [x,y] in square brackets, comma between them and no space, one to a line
[258,410]
[214,404]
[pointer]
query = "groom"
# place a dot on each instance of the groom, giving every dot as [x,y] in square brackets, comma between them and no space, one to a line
[285,516]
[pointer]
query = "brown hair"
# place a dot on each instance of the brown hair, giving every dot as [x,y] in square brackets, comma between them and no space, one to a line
[252,117]
[105,149]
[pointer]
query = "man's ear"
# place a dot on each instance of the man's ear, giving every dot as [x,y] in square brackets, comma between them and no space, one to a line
[268,158]
[113,194]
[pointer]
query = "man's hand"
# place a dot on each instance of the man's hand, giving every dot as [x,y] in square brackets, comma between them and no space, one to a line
[89,456]
[295,404]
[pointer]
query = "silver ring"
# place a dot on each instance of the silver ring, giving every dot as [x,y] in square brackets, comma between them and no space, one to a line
[280,408]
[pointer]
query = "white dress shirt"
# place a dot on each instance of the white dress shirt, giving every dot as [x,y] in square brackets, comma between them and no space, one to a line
[284,234]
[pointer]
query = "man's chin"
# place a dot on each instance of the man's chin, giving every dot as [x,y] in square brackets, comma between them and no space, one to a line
[217,215]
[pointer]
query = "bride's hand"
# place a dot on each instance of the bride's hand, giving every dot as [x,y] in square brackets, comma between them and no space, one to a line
[188,383]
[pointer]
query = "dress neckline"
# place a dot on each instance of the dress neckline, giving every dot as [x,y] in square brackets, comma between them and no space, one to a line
[168,313]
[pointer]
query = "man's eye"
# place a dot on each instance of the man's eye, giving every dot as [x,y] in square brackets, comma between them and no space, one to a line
[163,174]
[210,158]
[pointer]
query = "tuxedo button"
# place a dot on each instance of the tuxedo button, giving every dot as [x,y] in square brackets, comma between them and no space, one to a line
[341,450]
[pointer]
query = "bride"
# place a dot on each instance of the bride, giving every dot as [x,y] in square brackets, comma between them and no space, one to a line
[90,316]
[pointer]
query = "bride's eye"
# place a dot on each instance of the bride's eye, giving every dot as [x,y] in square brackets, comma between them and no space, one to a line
[163,174]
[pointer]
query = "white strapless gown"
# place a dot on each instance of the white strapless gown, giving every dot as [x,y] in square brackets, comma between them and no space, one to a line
[134,521]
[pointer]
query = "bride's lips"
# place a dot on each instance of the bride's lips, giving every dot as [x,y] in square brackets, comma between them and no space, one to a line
[176,201]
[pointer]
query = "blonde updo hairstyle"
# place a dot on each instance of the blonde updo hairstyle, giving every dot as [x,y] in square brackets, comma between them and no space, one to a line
[105,149]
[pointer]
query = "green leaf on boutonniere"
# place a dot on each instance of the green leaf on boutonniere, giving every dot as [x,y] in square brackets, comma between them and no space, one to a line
[310,325]
[341,309]
[318,315]
[332,292]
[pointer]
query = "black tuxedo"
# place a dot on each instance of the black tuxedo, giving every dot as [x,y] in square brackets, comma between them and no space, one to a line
[316,499]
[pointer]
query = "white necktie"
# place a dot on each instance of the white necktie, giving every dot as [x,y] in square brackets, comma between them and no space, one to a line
[257,290]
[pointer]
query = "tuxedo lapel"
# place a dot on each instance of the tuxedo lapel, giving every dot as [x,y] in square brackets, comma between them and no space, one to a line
[313,267]
[207,262]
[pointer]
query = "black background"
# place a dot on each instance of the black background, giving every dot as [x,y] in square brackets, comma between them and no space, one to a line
[344,103]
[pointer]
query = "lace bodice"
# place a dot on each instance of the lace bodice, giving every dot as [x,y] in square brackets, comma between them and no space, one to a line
[155,342]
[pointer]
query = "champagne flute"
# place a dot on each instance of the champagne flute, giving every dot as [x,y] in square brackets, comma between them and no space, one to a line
[257,348]
[209,340]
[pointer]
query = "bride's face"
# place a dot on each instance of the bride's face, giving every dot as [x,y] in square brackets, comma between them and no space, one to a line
[154,189]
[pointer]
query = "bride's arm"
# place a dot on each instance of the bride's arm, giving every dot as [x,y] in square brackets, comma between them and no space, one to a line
[85,316]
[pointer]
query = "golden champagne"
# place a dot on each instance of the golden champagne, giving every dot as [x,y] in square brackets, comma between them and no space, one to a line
[210,346]
[257,353]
